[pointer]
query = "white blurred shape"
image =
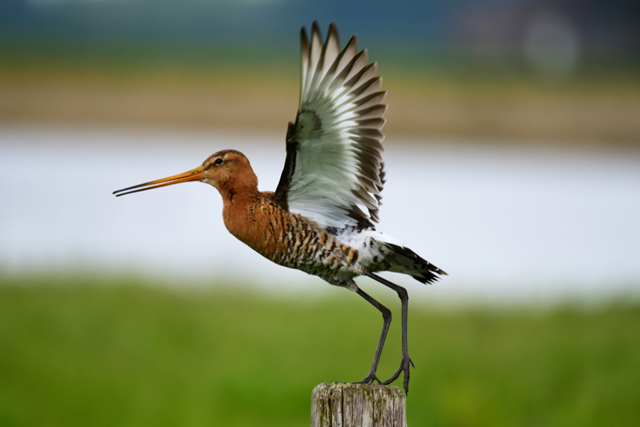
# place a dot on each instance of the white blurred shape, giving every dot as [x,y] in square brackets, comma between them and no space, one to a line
[506,224]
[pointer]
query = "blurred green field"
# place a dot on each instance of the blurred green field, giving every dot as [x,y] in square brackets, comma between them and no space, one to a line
[111,352]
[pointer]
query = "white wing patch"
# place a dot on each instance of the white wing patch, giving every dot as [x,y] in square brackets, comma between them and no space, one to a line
[334,171]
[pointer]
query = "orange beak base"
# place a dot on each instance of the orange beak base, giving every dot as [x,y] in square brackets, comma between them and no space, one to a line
[192,175]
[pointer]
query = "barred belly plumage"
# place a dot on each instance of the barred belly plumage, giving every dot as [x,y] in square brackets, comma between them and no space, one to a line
[297,242]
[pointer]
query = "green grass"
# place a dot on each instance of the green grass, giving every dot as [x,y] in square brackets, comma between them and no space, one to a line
[121,353]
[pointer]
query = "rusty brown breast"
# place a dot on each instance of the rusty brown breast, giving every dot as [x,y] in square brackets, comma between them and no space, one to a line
[289,239]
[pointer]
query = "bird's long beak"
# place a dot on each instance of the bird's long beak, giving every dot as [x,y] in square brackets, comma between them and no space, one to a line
[192,175]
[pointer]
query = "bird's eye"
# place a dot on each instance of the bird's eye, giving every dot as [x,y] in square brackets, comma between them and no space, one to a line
[218,161]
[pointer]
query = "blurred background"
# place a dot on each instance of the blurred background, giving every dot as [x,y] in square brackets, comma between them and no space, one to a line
[513,163]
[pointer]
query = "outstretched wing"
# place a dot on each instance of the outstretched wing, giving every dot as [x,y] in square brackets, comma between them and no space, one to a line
[333,173]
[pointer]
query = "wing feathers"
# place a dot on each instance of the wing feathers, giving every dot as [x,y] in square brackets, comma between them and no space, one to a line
[376,123]
[330,52]
[362,76]
[377,111]
[334,172]
[304,57]
[346,71]
[375,99]
[359,61]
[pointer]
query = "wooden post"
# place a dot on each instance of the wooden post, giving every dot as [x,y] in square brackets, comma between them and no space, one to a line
[357,405]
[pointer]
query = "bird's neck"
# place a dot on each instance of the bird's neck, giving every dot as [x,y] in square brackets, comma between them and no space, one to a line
[238,191]
[238,211]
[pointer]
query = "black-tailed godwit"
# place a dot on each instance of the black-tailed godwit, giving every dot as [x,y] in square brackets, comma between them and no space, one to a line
[321,218]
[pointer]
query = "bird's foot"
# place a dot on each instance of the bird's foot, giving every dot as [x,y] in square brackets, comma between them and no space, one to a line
[405,364]
[369,380]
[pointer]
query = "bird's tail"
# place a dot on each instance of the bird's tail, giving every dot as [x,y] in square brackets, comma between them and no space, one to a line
[408,262]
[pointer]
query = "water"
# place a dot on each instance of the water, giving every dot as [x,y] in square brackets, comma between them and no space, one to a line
[506,224]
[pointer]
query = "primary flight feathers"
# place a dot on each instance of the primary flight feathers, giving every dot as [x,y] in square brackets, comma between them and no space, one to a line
[335,142]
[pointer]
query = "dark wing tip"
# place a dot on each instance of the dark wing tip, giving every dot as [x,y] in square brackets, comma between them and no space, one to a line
[353,40]
[333,30]
[315,29]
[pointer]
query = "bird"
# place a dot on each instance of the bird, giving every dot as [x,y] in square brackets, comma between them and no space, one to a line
[321,219]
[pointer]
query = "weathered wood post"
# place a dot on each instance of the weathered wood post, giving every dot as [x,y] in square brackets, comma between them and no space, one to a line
[357,405]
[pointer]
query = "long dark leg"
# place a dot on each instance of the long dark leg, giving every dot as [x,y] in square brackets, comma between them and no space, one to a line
[406,360]
[386,316]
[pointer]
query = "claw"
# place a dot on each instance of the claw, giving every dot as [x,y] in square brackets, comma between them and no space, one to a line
[404,367]
[369,380]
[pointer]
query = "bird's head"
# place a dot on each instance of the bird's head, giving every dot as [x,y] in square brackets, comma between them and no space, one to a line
[227,170]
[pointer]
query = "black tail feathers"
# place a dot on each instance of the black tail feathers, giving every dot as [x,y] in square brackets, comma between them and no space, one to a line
[409,262]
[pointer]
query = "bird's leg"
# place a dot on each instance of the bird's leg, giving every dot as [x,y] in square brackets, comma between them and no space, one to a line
[406,360]
[386,316]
